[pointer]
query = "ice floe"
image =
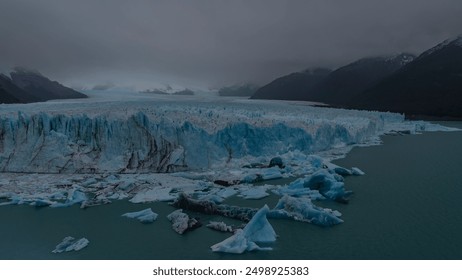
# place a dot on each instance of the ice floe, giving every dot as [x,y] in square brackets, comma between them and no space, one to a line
[69,244]
[145,216]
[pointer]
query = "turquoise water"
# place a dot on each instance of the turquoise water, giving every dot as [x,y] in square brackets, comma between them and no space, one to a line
[407,206]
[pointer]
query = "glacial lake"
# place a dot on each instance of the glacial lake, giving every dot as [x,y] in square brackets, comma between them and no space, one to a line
[407,206]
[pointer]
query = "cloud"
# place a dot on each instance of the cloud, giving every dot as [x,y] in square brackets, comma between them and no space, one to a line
[212,42]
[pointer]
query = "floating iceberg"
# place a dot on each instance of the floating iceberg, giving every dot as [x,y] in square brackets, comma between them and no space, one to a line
[145,216]
[302,209]
[181,221]
[74,196]
[329,185]
[254,192]
[211,208]
[257,230]
[70,244]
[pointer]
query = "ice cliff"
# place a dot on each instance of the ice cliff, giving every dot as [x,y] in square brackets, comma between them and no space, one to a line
[174,137]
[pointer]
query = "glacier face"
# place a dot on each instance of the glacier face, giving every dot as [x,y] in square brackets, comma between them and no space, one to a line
[173,136]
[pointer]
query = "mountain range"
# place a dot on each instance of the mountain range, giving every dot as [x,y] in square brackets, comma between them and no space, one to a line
[26,86]
[427,85]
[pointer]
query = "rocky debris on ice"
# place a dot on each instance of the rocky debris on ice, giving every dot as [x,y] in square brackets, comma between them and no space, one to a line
[276,161]
[145,216]
[302,209]
[181,221]
[69,243]
[219,226]
[185,202]
[257,230]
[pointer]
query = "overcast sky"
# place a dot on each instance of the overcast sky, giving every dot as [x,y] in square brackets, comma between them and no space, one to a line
[211,43]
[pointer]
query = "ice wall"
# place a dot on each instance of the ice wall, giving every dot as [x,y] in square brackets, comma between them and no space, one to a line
[173,138]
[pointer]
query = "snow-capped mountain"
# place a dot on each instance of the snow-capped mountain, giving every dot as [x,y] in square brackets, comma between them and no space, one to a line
[346,82]
[336,87]
[429,85]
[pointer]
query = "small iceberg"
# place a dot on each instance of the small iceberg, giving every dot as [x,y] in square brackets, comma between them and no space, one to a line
[329,185]
[181,221]
[70,244]
[74,196]
[254,192]
[257,230]
[145,216]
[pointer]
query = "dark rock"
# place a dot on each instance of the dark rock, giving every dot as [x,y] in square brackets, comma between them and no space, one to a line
[276,161]
[211,208]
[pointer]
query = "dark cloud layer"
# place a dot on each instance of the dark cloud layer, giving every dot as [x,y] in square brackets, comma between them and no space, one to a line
[212,42]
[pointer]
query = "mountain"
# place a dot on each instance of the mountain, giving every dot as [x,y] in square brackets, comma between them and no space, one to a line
[40,88]
[343,84]
[333,87]
[295,86]
[430,85]
[238,90]
[5,90]
[11,93]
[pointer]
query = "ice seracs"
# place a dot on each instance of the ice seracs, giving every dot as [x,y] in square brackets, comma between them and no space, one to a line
[257,230]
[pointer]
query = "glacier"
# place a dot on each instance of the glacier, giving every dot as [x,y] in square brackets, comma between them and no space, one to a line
[174,136]
[195,152]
